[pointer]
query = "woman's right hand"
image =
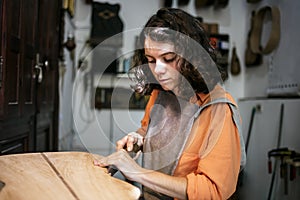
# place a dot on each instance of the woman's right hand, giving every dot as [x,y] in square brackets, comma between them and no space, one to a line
[129,142]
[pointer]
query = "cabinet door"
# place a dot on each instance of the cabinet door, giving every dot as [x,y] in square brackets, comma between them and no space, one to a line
[29,52]
[11,55]
[47,87]
[1,59]
[29,73]
[18,50]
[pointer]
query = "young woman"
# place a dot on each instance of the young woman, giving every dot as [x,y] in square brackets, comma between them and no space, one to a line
[190,134]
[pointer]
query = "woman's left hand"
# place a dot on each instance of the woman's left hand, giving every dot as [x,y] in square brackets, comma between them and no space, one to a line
[123,161]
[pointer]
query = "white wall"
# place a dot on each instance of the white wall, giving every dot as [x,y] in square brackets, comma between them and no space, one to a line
[135,13]
[233,20]
[278,68]
[97,130]
[66,80]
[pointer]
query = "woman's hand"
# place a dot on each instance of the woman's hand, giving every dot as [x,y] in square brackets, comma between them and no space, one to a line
[123,161]
[166,184]
[129,140]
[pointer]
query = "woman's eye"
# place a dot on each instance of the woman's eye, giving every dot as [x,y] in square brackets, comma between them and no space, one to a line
[168,60]
[151,61]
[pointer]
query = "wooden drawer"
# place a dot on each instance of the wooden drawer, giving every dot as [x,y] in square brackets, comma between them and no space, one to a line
[14,145]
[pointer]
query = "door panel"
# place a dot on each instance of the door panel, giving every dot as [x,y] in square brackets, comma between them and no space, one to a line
[47,89]
[43,137]
[48,50]
[1,59]
[29,107]
[13,57]
[29,53]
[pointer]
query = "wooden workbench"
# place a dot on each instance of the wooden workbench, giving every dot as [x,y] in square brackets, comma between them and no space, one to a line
[59,175]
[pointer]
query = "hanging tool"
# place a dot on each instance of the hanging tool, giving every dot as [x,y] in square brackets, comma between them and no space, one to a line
[294,164]
[286,157]
[283,154]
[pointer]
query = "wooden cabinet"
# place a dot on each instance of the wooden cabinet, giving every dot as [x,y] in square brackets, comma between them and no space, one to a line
[29,51]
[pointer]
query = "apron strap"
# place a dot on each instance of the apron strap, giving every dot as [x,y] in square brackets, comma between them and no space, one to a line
[236,119]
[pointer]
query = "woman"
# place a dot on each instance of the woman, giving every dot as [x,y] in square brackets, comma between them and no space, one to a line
[192,146]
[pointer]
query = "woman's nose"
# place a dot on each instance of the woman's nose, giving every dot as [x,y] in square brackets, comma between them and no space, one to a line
[160,67]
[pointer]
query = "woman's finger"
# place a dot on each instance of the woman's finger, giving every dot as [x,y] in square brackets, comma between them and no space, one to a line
[121,143]
[130,142]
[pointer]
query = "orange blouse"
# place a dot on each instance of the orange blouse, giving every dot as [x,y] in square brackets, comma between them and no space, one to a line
[211,158]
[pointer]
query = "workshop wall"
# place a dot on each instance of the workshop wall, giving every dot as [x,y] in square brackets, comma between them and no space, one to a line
[234,20]
[84,128]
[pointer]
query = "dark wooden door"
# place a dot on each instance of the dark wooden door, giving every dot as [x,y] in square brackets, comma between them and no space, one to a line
[47,88]
[29,75]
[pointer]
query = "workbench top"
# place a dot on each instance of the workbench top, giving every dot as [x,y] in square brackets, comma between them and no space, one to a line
[59,175]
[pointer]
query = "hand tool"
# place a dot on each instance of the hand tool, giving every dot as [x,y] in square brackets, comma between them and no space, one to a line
[2,184]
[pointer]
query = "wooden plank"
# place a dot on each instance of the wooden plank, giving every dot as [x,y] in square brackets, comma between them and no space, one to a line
[29,177]
[89,181]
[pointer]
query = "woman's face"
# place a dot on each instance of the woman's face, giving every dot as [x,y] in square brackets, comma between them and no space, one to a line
[163,62]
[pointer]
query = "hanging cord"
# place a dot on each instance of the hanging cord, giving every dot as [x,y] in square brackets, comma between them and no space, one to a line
[278,145]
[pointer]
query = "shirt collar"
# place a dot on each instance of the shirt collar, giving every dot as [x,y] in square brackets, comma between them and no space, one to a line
[203,98]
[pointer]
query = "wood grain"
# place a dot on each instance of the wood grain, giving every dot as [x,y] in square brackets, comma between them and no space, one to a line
[28,176]
[60,175]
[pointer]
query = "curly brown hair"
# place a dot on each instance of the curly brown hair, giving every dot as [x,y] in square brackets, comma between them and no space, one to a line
[198,58]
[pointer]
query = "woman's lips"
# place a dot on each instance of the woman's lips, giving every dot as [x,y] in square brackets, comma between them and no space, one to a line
[164,81]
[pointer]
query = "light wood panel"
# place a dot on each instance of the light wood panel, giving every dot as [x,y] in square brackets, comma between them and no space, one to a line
[29,177]
[60,175]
